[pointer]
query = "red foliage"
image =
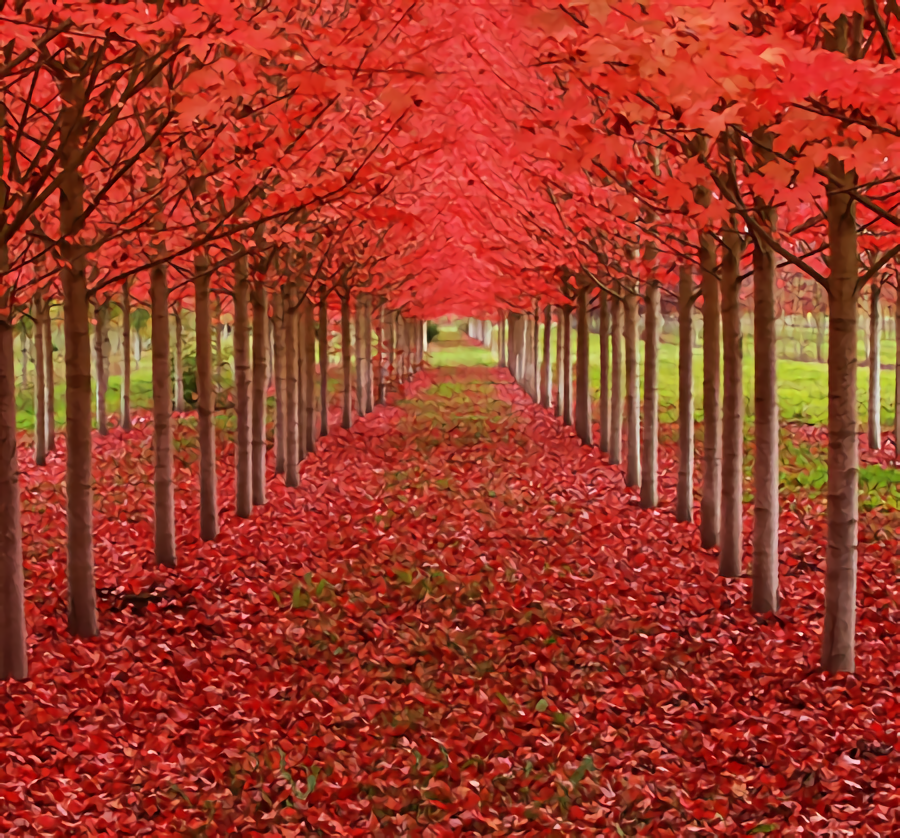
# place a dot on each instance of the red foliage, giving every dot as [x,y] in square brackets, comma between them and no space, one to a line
[460,624]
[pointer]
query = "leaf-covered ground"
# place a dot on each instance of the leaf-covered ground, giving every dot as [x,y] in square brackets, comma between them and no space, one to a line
[461,624]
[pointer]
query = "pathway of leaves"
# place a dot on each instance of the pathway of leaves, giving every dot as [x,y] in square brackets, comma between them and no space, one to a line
[462,624]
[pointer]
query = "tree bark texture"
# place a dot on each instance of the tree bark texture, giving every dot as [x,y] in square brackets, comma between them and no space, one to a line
[615,376]
[684,501]
[101,357]
[280,374]
[346,357]
[179,360]
[650,440]
[163,484]
[560,388]
[260,300]
[304,361]
[40,389]
[710,501]
[50,384]
[632,391]
[546,376]
[125,393]
[874,367]
[582,373]
[291,354]
[604,371]
[243,482]
[206,403]
[323,365]
[568,418]
[307,312]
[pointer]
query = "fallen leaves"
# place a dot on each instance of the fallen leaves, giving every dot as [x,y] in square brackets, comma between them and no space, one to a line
[461,623]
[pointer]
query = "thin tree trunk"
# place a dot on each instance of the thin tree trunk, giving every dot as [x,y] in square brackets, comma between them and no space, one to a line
[220,362]
[260,301]
[632,391]
[820,338]
[710,501]
[765,497]
[101,315]
[23,342]
[731,535]
[368,375]
[206,402]
[501,360]
[309,382]
[40,390]
[125,393]
[323,364]
[291,354]
[528,363]
[163,485]
[50,384]
[511,343]
[838,637]
[382,352]
[650,441]
[897,382]
[304,361]
[684,503]
[390,351]
[546,376]
[615,396]
[358,317]
[280,375]
[874,368]
[346,357]
[604,371]
[243,482]
[13,649]
[535,351]
[582,373]
[568,418]
[179,361]
[559,388]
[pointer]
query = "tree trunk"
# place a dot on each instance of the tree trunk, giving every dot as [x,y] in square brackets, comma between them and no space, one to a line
[684,503]
[360,355]
[304,361]
[632,391]
[280,375]
[40,390]
[49,383]
[535,352]
[383,326]
[896,383]
[604,372]
[731,536]
[710,509]
[765,498]
[838,637]
[163,485]
[615,396]
[179,361]
[650,442]
[528,371]
[23,342]
[501,361]
[568,418]
[346,357]
[560,386]
[125,393]
[323,364]
[260,300]
[582,374]
[368,373]
[101,326]
[243,481]
[13,650]
[546,377]
[206,402]
[291,355]
[220,362]
[390,346]
[309,383]
[511,343]
[874,368]
[79,489]
[820,338]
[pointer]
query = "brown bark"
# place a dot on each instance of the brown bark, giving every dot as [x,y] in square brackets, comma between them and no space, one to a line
[179,361]
[528,361]
[389,351]
[632,392]
[220,362]
[604,371]
[125,393]
[101,367]
[546,377]
[243,482]
[731,536]
[368,374]
[501,361]
[650,440]
[710,501]
[49,382]
[615,375]
[383,314]
[560,389]
[206,402]
[874,368]
[79,489]
[838,637]
[291,355]
[568,418]
[40,390]
[304,361]
[309,382]
[765,497]
[897,382]
[582,372]
[511,343]
[535,352]
[280,375]
[323,365]
[360,355]
[684,502]
[346,357]
[163,485]
[13,650]
[260,301]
